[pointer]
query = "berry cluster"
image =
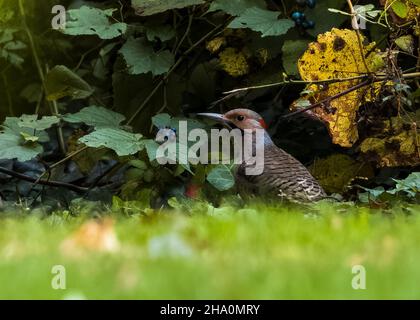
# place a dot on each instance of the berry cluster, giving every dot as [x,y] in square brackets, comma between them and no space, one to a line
[299,17]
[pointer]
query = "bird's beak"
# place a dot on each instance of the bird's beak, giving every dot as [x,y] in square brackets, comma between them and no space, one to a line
[218,118]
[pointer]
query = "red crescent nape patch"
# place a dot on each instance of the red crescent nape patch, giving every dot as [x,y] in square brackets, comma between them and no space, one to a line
[262,123]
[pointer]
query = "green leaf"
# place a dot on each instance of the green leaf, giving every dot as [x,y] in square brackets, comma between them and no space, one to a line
[416,2]
[98,117]
[62,82]
[292,51]
[150,7]
[236,7]
[303,103]
[19,143]
[410,185]
[29,138]
[11,125]
[161,32]
[263,21]
[370,194]
[138,164]
[8,46]
[151,147]
[32,122]
[93,21]
[12,147]
[221,178]
[122,142]
[162,120]
[405,43]
[191,124]
[141,58]
[400,9]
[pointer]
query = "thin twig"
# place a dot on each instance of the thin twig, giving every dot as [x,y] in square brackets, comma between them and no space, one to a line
[21,176]
[359,36]
[378,76]
[187,31]
[82,58]
[9,97]
[60,134]
[276,84]
[55,165]
[31,42]
[329,99]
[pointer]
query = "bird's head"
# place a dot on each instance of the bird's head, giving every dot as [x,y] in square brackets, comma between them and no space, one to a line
[240,118]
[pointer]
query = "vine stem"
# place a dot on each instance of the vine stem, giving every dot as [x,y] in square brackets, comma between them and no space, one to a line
[359,36]
[275,84]
[40,71]
[21,176]
[329,99]
[55,165]
[379,76]
[166,76]
[9,98]
[31,42]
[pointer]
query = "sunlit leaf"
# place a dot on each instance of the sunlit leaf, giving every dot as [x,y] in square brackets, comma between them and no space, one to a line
[400,8]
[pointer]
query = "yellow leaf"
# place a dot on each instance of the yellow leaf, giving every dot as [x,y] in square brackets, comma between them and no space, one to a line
[396,144]
[337,55]
[234,62]
[215,44]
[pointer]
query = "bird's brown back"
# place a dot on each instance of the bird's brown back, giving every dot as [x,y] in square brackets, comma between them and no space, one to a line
[283,176]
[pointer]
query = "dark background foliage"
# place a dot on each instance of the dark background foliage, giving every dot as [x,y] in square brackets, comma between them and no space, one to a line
[197,82]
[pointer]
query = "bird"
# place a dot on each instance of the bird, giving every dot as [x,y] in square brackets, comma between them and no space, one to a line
[282,176]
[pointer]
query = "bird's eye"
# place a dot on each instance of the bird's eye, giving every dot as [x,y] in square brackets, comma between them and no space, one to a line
[240,118]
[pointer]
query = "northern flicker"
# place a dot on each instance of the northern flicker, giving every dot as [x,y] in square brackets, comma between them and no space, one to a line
[283,175]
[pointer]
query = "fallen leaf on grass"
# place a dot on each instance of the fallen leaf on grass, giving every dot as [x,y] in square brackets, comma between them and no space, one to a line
[96,236]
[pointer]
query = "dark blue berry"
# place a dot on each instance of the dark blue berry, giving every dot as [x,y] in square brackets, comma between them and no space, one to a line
[308,24]
[299,22]
[297,15]
[311,3]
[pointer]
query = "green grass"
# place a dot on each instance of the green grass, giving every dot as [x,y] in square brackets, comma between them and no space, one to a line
[255,253]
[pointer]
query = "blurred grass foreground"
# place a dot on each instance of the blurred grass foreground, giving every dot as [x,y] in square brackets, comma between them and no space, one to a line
[257,252]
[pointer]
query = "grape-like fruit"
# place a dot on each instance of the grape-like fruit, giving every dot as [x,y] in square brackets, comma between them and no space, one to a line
[298,16]
[309,24]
